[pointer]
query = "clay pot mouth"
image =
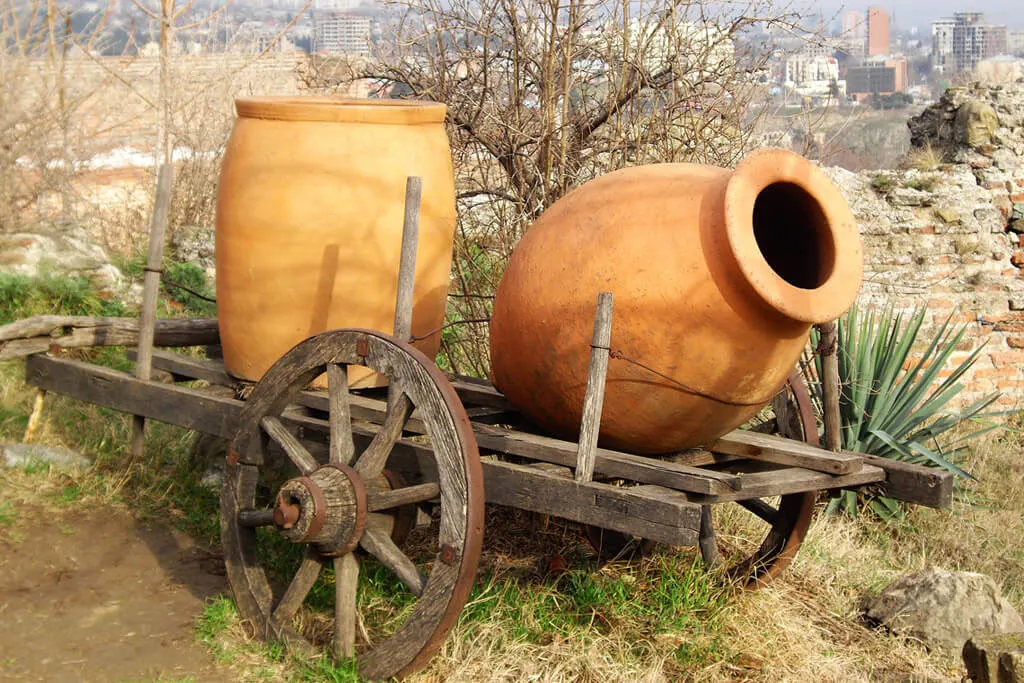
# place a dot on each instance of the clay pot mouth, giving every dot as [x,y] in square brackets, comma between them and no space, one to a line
[341,110]
[793,236]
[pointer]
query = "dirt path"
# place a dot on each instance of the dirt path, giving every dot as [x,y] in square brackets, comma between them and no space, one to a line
[94,596]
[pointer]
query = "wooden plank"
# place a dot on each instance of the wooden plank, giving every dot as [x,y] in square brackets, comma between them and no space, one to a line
[667,518]
[781,451]
[593,399]
[929,486]
[475,392]
[120,391]
[786,480]
[186,367]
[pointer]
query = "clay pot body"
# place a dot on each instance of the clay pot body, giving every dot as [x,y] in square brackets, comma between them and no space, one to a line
[309,223]
[717,276]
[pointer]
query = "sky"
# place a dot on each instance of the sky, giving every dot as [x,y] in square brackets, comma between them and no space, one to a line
[924,12]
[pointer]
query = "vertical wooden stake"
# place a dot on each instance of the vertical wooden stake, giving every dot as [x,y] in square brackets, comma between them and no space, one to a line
[829,346]
[150,289]
[36,417]
[707,539]
[407,262]
[593,400]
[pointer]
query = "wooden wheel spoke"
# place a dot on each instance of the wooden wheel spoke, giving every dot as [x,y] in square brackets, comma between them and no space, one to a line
[761,509]
[296,452]
[373,459]
[346,579]
[342,449]
[300,586]
[385,500]
[390,555]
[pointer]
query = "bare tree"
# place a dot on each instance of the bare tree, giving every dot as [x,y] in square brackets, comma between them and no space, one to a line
[544,95]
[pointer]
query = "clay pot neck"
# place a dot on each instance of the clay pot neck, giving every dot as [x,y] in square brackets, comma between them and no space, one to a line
[793,236]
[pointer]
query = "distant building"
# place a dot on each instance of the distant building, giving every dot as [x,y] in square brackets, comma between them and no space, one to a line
[1015,43]
[340,33]
[878,32]
[853,25]
[813,76]
[958,44]
[880,76]
[942,46]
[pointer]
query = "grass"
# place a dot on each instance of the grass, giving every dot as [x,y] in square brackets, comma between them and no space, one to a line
[660,618]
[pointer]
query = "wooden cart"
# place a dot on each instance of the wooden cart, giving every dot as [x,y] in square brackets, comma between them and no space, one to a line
[345,474]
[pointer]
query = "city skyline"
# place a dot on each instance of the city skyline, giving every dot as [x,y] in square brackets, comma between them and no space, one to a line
[922,13]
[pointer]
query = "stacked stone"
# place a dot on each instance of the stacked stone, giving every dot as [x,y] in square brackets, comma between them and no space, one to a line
[952,237]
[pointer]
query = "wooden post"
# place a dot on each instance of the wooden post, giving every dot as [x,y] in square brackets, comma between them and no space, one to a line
[150,289]
[593,400]
[407,262]
[707,540]
[829,347]
[36,417]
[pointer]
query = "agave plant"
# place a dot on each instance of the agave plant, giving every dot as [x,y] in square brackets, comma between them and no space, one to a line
[893,402]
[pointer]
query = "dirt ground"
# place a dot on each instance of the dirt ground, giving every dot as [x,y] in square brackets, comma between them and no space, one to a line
[95,596]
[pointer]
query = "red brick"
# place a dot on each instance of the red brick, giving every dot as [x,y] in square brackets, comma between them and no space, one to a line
[1015,341]
[942,303]
[926,230]
[1007,359]
[1017,258]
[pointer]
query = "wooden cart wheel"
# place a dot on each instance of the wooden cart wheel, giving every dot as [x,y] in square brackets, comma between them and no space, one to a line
[335,511]
[787,521]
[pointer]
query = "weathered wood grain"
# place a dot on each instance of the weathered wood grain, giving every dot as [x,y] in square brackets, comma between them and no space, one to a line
[747,444]
[787,480]
[69,332]
[593,399]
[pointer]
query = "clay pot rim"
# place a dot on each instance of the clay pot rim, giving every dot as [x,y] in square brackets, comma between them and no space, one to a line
[341,110]
[838,291]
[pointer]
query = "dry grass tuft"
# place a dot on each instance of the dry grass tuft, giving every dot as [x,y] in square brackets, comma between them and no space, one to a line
[925,158]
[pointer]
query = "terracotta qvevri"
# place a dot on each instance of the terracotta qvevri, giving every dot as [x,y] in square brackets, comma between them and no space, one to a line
[717,275]
[309,223]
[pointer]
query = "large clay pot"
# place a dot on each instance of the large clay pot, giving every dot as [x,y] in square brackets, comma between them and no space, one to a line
[717,277]
[309,223]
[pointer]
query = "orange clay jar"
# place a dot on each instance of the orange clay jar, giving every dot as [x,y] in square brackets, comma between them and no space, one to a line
[309,223]
[717,275]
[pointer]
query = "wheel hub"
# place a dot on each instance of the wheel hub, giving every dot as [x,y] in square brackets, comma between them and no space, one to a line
[326,509]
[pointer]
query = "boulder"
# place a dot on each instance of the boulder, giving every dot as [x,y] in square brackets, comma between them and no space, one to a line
[943,608]
[995,658]
[23,454]
[975,124]
[60,252]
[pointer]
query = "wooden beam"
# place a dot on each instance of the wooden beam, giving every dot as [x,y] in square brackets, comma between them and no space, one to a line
[777,482]
[775,449]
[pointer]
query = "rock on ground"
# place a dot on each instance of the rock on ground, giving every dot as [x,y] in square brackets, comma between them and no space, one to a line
[21,454]
[944,608]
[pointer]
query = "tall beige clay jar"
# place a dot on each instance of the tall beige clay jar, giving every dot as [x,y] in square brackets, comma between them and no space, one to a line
[718,275]
[309,223]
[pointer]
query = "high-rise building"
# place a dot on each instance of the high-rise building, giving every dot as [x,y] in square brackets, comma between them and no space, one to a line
[958,44]
[878,32]
[852,25]
[340,33]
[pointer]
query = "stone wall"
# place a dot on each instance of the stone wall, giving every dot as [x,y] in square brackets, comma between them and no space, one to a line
[946,231]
